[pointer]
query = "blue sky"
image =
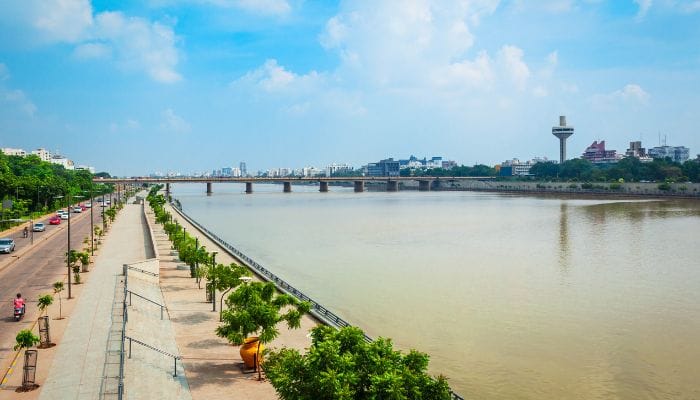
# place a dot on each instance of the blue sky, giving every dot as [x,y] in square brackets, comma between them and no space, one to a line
[133,87]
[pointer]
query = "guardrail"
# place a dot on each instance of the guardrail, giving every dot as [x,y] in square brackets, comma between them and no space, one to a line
[317,309]
[143,271]
[147,299]
[175,358]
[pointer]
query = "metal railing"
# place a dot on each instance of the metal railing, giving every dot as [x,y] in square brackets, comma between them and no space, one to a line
[322,312]
[319,310]
[175,358]
[143,271]
[162,307]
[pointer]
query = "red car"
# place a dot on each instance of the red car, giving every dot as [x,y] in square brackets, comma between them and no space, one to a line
[55,220]
[82,206]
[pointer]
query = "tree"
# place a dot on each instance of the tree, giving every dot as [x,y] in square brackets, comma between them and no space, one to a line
[256,308]
[58,288]
[24,340]
[45,301]
[340,364]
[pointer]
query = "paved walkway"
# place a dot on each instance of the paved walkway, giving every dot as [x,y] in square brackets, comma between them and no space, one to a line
[213,366]
[76,372]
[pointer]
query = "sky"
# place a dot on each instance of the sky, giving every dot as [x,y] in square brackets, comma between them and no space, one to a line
[138,86]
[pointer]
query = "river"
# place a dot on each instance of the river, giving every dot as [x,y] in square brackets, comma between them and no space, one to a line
[513,297]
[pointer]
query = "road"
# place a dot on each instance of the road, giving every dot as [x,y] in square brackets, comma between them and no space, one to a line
[34,273]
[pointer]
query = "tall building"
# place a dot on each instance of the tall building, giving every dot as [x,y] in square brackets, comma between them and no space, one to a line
[597,154]
[333,169]
[679,154]
[562,132]
[244,171]
[44,154]
[387,167]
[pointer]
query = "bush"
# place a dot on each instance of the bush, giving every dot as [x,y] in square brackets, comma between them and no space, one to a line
[586,185]
[664,186]
[340,364]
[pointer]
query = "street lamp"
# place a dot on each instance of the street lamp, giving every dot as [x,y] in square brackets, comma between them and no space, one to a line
[68,197]
[213,281]
[92,222]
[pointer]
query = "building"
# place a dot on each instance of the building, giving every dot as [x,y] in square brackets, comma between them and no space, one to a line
[244,171]
[333,169]
[44,154]
[61,160]
[679,154]
[516,167]
[387,167]
[226,171]
[597,154]
[562,132]
[8,151]
[414,162]
[85,168]
[637,151]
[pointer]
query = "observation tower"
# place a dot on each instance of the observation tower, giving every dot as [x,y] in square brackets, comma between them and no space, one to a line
[562,132]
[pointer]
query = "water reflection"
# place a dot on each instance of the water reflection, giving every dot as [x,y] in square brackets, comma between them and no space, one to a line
[564,259]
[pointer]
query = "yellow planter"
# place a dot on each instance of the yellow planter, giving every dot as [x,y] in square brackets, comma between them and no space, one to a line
[249,349]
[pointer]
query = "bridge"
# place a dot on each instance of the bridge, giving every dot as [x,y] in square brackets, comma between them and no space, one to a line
[425,183]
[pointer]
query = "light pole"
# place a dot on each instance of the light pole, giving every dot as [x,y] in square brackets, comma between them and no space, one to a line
[213,281]
[92,222]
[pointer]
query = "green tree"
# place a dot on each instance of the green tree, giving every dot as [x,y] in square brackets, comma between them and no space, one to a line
[58,288]
[257,308]
[340,364]
[45,301]
[25,339]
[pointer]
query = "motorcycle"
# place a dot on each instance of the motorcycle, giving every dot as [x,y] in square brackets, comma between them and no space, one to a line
[19,313]
[25,233]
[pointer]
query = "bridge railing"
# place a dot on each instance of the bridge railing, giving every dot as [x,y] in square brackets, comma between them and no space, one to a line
[317,309]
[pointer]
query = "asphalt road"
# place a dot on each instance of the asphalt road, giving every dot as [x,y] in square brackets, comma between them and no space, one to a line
[34,273]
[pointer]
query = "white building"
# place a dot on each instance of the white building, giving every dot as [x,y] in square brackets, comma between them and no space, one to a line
[61,160]
[517,167]
[8,151]
[85,168]
[336,168]
[44,154]
[679,154]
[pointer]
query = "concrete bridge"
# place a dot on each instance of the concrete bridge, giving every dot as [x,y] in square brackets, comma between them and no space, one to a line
[425,183]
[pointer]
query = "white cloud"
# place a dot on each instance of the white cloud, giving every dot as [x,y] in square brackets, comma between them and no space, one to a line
[275,7]
[540,91]
[630,94]
[89,51]
[173,123]
[134,43]
[62,20]
[477,73]
[14,98]
[691,7]
[512,59]
[273,78]
[644,6]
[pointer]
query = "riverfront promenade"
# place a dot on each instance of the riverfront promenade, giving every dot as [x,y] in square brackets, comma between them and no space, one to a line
[212,365]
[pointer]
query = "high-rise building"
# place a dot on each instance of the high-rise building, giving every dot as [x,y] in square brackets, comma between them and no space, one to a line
[244,171]
[679,154]
[562,132]
[44,154]
[387,167]
[597,154]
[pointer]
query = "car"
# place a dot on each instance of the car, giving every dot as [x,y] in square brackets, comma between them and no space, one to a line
[39,227]
[88,205]
[77,209]
[64,216]
[7,245]
[55,220]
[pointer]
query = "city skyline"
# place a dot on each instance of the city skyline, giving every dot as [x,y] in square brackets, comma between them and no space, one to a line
[191,85]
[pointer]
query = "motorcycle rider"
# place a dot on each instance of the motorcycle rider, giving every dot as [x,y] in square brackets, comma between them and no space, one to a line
[25,233]
[19,302]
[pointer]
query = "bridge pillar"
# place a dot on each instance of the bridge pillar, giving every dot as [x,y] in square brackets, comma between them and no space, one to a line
[424,186]
[323,187]
[167,189]
[359,186]
[392,186]
[249,187]
[287,187]
[209,191]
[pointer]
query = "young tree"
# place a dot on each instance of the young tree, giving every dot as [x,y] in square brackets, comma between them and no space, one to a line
[45,301]
[58,288]
[340,364]
[24,340]
[257,308]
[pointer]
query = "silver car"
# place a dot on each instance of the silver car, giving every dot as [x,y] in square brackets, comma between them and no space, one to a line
[39,227]
[7,245]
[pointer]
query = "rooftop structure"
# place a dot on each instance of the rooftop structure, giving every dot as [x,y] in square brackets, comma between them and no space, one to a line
[562,132]
[597,154]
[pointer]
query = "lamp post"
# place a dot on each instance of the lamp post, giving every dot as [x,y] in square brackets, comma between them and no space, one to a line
[213,281]
[196,260]
[92,222]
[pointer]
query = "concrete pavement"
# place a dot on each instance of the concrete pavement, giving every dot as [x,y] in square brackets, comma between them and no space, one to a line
[76,372]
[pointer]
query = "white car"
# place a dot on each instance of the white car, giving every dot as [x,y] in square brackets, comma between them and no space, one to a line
[39,227]
[88,205]
[77,209]
[64,215]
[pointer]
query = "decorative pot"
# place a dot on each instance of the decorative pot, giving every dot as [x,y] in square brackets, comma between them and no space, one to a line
[249,351]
